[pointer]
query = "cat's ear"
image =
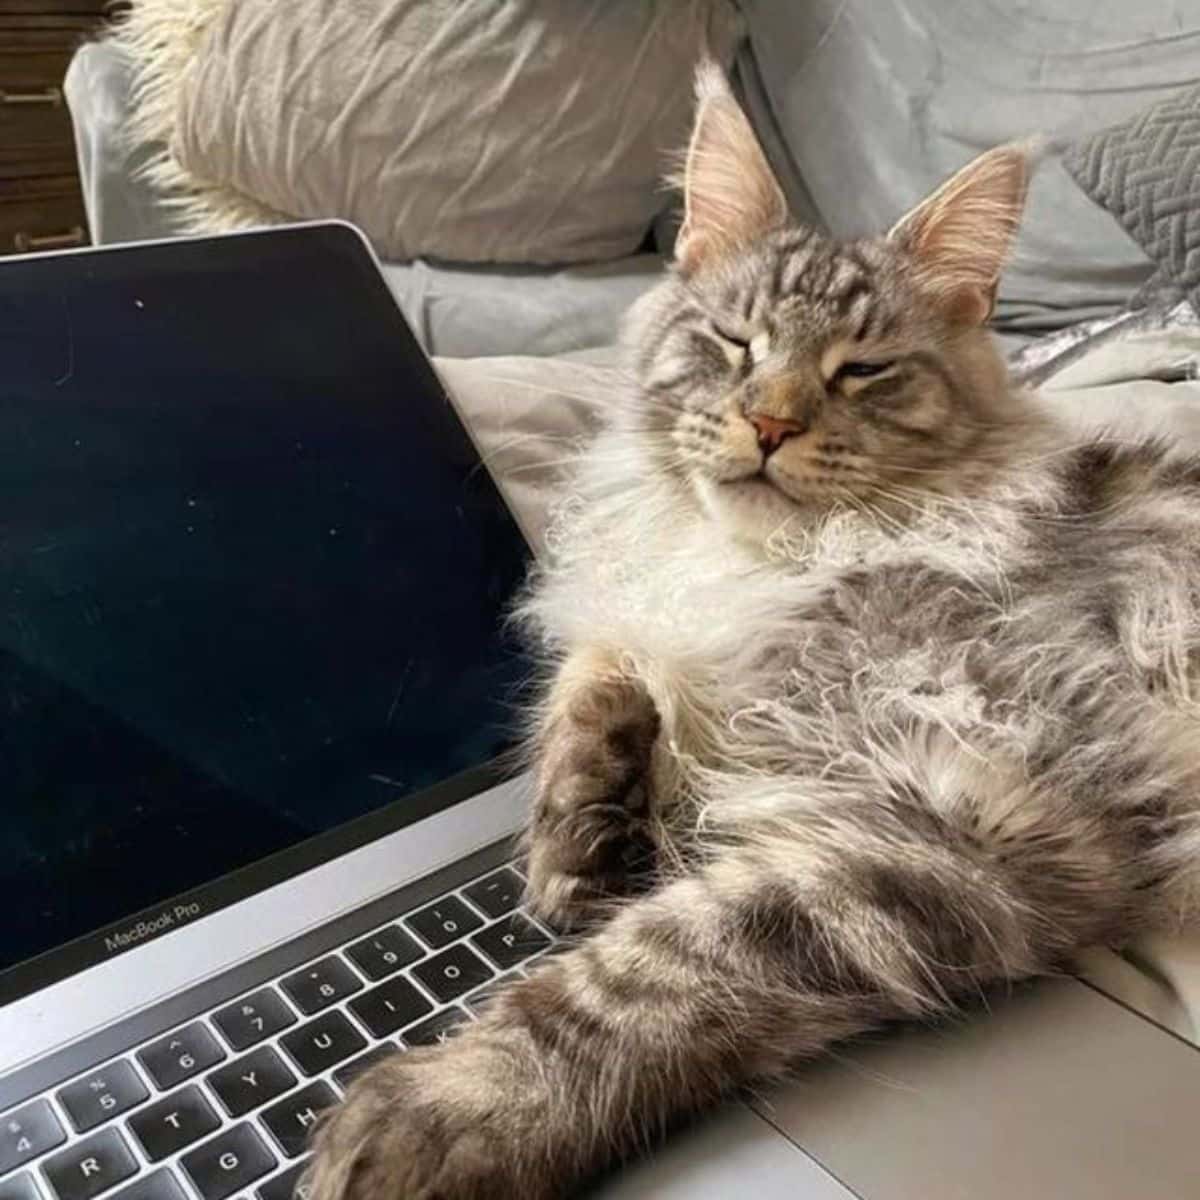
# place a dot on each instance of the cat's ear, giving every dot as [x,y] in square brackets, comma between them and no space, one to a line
[730,193]
[960,237]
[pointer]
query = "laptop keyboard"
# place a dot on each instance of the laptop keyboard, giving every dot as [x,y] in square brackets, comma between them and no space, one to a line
[222,1106]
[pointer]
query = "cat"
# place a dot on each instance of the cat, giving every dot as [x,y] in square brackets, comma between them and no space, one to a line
[868,689]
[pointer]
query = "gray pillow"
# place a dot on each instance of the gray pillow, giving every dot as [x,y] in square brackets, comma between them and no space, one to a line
[876,101]
[1146,172]
[516,131]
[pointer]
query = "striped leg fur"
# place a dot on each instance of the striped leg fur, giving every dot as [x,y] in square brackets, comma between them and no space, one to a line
[796,936]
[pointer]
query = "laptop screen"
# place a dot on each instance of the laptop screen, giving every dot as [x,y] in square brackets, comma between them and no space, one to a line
[253,579]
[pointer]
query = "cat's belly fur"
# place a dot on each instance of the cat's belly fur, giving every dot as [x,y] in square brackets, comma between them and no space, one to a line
[848,664]
[851,661]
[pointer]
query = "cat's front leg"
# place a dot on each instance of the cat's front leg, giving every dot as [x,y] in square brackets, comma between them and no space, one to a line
[589,839]
[774,949]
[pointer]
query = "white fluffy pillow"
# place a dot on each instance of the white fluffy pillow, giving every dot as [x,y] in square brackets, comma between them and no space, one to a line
[492,131]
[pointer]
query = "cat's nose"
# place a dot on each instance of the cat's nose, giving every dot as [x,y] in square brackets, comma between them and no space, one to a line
[773,431]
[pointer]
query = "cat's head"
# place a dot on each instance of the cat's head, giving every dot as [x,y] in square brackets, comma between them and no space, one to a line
[781,372]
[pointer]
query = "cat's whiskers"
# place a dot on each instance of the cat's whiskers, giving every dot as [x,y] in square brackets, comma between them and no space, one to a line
[880,516]
[941,520]
[890,466]
[666,455]
[984,503]
[580,443]
[625,397]
[822,478]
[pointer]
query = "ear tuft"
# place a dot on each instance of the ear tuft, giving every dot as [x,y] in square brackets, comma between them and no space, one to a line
[730,192]
[959,238]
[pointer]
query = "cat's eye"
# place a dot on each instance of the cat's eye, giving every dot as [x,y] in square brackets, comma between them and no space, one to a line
[736,350]
[863,370]
[742,344]
[740,350]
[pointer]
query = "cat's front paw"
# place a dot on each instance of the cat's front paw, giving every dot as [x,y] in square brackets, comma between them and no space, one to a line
[590,842]
[431,1125]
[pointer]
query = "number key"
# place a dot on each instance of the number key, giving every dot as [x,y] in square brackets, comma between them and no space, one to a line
[27,1132]
[103,1094]
[384,953]
[180,1055]
[253,1018]
[441,923]
[497,893]
[321,984]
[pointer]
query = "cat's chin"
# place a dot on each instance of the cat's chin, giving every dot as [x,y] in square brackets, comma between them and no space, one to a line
[752,508]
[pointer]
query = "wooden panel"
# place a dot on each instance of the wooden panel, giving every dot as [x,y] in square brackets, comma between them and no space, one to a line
[40,202]
[41,214]
[35,58]
[30,162]
[88,8]
[35,134]
[44,21]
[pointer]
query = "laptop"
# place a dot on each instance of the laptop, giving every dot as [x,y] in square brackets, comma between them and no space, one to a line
[256,696]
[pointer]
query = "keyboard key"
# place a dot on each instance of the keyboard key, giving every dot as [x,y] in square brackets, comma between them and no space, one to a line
[478,1001]
[436,1029]
[27,1132]
[384,953]
[102,1095]
[323,1043]
[286,1186]
[321,984]
[250,1080]
[19,1187]
[345,1076]
[175,1121]
[441,923]
[90,1167]
[180,1055]
[252,1018]
[291,1120]
[497,893]
[511,941]
[390,1006]
[158,1185]
[455,971]
[233,1160]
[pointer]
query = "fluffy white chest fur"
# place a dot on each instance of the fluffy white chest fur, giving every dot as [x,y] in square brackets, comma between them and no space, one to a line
[853,653]
[774,656]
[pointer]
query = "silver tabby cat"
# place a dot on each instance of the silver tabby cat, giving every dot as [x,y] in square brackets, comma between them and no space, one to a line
[869,690]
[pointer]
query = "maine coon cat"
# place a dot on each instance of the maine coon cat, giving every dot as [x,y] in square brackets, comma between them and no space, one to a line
[869,690]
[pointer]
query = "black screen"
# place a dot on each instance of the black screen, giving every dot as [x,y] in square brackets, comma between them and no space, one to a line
[252,573]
